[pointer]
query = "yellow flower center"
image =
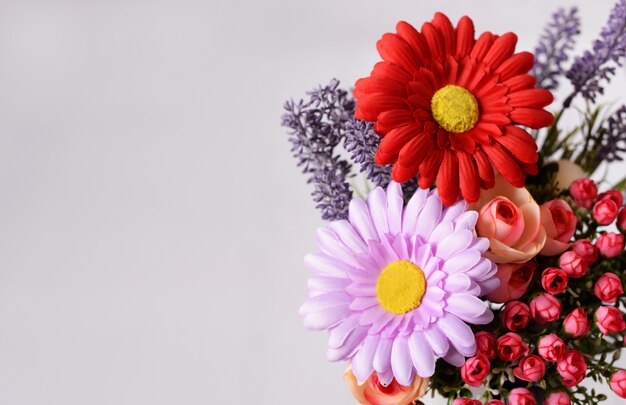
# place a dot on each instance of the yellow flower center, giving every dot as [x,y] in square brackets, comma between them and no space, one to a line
[401,286]
[454,108]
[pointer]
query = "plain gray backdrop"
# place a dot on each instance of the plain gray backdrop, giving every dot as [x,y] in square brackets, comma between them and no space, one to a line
[152,220]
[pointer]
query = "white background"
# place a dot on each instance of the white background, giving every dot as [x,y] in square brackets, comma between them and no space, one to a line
[152,220]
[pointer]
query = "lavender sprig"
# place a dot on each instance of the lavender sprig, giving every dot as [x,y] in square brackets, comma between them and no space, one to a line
[362,142]
[554,45]
[316,127]
[612,143]
[589,70]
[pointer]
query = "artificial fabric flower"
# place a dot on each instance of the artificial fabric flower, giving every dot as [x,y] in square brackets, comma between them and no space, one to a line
[396,286]
[448,107]
[372,392]
[514,281]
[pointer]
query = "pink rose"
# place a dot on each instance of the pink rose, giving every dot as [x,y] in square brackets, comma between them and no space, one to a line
[486,344]
[621,220]
[610,244]
[545,308]
[584,191]
[572,368]
[586,250]
[618,383]
[554,280]
[551,348]
[614,195]
[372,392]
[605,211]
[514,281]
[511,347]
[558,398]
[608,288]
[495,402]
[610,320]
[466,401]
[475,369]
[576,323]
[573,264]
[511,219]
[559,221]
[531,368]
[516,315]
[521,396]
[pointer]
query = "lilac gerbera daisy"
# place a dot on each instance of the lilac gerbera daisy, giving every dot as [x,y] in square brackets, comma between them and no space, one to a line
[397,286]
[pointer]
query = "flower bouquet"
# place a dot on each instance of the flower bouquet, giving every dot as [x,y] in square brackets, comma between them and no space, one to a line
[479,251]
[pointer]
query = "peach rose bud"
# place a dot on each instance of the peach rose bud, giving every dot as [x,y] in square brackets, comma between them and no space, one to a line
[373,392]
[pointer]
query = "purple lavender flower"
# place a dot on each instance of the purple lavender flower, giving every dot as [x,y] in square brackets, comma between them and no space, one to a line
[362,142]
[612,142]
[316,127]
[553,47]
[589,70]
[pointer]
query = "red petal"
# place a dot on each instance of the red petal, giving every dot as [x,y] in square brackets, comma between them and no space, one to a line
[520,82]
[518,64]
[481,47]
[394,49]
[393,142]
[491,130]
[522,147]
[429,168]
[370,105]
[434,40]
[464,37]
[448,179]
[390,119]
[531,98]
[407,32]
[414,152]
[530,169]
[462,142]
[402,174]
[443,24]
[390,71]
[485,169]
[505,164]
[493,118]
[531,117]
[451,70]
[378,85]
[468,175]
[501,50]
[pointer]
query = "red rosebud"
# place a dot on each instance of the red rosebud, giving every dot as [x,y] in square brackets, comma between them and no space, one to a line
[608,288]
[613,195]
[621,220]
[466,401]
[475,369]
[531,368]
[586,250]
[584,191]
[572,368]
[610,244]
[516,315]
[559,221]
[545,308]
[521,396]
[551,348]
[573,264]
[558,398]
[486,344]
[618,383]
[576,323]
[510,347]
[605,211]
[610,320]
[514,281]
[554,280]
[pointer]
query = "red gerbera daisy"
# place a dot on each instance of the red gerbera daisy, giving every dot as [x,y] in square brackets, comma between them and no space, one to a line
[447,106]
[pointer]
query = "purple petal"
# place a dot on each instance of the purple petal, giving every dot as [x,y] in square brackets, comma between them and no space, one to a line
[395,205]
[325,265]
[361,289]
[454,244]
[466,221]
[325,319]
[363,303]
[345,351]
[386,376]
[325,284]
[431,308]
[390,330]
[372,314]
[324,302]
[348,235]
[329,243]
[362,361]
[454,211]
[459,334]
[441,231]
[454,357]
[457,283]
[461,262]
[468,308]
[437,340]
[401,361]
[360,219]
[337,335]
[489,286]
[421,354]
[412,212]
[379,324]
[382,357]
[429,217]
[377,204]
